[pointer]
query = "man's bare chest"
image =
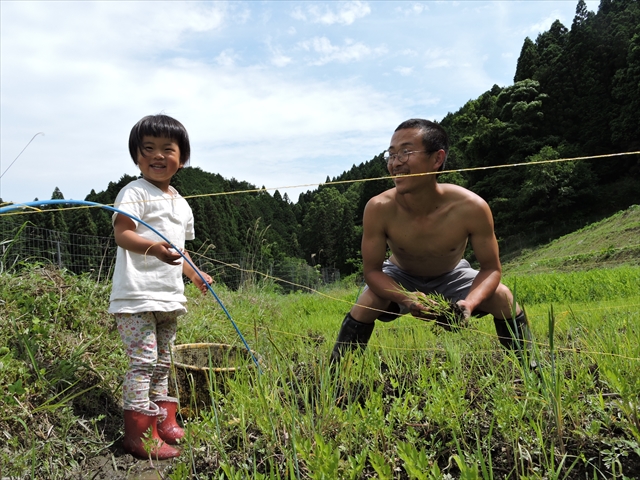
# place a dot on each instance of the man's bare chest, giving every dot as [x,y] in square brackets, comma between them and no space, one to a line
[435,235]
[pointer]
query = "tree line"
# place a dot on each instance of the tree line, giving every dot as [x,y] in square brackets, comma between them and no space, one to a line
[576,93]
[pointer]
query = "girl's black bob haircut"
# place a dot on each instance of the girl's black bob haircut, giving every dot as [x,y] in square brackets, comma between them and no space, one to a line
[159,126]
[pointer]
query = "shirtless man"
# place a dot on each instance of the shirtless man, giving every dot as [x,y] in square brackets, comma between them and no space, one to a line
[426,226]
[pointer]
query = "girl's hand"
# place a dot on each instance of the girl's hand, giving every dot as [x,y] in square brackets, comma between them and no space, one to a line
[163,252]
[192,274]
[127,238]
[197,281]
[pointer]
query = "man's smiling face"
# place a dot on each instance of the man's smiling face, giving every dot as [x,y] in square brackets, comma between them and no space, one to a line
[411,157]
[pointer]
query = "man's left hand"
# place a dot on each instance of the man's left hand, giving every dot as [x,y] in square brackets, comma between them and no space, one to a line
[465,309]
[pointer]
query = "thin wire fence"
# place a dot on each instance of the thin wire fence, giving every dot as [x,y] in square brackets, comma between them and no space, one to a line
[93,255]
[241,270]
[85,254]
[77,253]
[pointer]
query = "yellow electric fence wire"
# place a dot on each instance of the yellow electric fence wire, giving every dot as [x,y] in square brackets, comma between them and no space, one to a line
[472,169]
[490,167]
[339,182]
[540,345]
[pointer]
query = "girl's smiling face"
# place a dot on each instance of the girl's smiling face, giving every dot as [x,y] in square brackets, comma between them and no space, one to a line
[159,160]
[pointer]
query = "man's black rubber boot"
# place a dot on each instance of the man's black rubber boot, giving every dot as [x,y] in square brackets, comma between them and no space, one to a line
[514,334]
[353,334]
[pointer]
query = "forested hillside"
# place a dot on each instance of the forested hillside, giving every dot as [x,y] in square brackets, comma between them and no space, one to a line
[223,220]
[576,93]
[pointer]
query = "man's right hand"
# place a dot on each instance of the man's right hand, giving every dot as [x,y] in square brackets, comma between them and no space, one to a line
[421,310]
[451,316]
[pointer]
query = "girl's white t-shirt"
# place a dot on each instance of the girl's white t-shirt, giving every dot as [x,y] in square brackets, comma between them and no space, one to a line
[142,283]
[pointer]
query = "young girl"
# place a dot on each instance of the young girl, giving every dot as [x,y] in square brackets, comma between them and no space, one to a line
[148,290]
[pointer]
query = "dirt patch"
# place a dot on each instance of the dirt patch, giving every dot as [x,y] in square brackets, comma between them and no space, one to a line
[121,466]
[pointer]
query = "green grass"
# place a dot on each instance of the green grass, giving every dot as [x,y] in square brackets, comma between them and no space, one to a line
[420,402]
[608,243]
[577,286]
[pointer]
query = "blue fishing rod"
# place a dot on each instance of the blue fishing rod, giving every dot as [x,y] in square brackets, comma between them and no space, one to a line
[36,205]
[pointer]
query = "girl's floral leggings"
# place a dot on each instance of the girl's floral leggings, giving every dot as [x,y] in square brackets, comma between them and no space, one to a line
[148,338]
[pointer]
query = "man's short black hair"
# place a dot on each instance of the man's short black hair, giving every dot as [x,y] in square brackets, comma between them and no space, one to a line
[159,126]
[434,137]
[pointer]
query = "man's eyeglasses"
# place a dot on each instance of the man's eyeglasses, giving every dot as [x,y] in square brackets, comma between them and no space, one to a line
[401,157]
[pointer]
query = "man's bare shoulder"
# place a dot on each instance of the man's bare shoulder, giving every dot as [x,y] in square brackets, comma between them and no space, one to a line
[384,199]
[461,194]
[470,209]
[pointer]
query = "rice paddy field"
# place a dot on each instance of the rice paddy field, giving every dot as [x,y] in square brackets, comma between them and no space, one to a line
[419,403]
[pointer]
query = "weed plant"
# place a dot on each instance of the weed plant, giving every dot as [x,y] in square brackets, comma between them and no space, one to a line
[420,403]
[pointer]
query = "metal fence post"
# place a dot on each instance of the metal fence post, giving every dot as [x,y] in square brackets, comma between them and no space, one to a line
[59,255]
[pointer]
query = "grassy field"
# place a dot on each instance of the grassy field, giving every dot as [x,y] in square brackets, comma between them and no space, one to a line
[608,243]
[419,403]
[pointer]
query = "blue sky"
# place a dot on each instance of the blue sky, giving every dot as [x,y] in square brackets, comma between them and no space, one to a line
[275,93]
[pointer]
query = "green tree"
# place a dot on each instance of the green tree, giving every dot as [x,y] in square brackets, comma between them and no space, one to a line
[87,250]
[626,93]
[528,61]
[552,193]
[328,228]
[102,217]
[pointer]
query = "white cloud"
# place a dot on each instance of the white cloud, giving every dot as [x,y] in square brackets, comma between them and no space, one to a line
[439,63]
[259,105]
[440,58]
[298,14]
[349,52]
[293,125]
[86,106]
[277,58]
[542,25]
[345,13]
[87,29]
[412,9]
[239,13]
[227,58]
[408,52]
[404,71]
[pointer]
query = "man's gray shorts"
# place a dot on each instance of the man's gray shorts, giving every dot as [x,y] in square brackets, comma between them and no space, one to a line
[454,286]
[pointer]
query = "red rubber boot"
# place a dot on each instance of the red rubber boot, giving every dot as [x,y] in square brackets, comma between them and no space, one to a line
[168,429]
[136,424]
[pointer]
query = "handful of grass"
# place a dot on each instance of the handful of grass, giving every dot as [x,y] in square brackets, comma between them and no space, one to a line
[443,312]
